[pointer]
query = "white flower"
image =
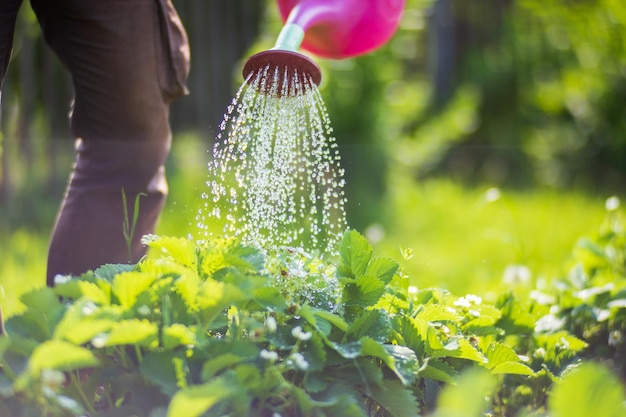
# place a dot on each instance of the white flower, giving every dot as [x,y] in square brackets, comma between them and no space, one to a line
[300,335]
[61,279]
[144,310]
[612,203]
[468,301]
[493,194]
[270,323]
[412,289]
[298,360]
[89,308]
[99,341]
[375,233]
[269,355]
[516,274]
[615,338]
[52,378]
[69,404]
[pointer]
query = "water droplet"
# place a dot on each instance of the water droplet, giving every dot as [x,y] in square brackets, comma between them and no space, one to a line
[275,177]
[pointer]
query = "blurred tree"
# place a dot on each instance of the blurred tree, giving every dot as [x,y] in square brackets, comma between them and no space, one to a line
[552,82]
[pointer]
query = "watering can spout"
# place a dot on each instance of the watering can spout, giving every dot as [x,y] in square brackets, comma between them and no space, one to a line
[327,28]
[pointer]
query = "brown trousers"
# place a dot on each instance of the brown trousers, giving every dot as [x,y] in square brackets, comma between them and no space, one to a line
[128,59]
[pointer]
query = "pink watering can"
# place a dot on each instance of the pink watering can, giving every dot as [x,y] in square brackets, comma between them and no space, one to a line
[327,28]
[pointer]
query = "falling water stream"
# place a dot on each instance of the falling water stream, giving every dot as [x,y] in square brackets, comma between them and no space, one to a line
[275,178]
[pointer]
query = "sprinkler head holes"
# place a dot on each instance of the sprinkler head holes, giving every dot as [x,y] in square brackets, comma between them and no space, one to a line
[280,71]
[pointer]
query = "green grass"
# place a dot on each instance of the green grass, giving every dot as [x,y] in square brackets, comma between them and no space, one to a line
[463,240]
[460,240]
[22,266]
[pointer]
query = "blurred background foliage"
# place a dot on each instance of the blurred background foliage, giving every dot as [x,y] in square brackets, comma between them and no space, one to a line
[486,133]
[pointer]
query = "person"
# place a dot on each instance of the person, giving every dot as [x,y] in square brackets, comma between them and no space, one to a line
[128,60]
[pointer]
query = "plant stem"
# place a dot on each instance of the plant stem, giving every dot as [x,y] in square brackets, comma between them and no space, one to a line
[79,387]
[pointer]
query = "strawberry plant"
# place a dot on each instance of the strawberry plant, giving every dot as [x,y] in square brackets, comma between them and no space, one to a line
[223,329]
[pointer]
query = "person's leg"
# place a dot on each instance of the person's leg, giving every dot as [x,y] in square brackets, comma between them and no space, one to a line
[116,52]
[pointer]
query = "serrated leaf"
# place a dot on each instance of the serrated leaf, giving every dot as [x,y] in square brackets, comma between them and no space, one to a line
[498,353]
[42,299]
[428,334]
[516,368]
[158,368]
[386,353]
[83,331]
[365,292]
[218,363]
[461,348]
[467,397]
[177,335]
[590,390]
[395,399]
[182,251]
[334,319]
[60,355]
[382,268]
[245,257]
[437,312]
[322,319]
[196,400]
[109,271]
[373,323]
[405,362]
[439,370]
[132,332]
[127,286]
[270,298]
[355,252]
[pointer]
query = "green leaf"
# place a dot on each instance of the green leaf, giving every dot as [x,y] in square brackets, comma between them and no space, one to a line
[467,398]
[334,319]
[458,347]
[439,370]
[373,323]
[181,250]
[109,271]
[389,355]
[158,368]
[590,390]
[516,368]
[245,257]
[395,399]
[127,286]
[41,299]
[196,400]
[270,298]
[217,364]
[339,399]
[503,360]
[43,313]
[437,312]
[60,355]
[132,332]
[382,268]
[405,362]
[365,292]
[81,332]
[355,252]
[177,335]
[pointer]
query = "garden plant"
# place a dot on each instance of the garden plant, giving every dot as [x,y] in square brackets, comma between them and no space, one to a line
[223,329]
